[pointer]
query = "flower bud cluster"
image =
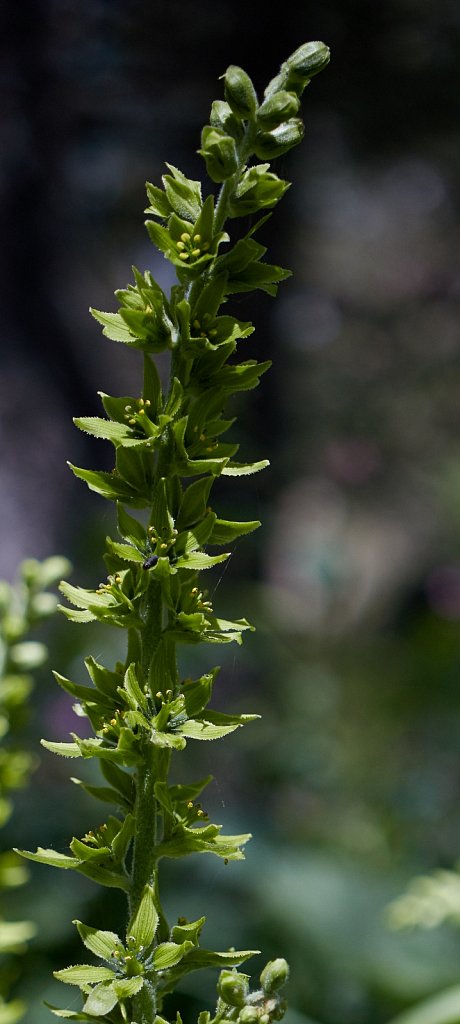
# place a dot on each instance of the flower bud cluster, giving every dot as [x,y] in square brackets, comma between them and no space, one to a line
[276,127]
[238,1003]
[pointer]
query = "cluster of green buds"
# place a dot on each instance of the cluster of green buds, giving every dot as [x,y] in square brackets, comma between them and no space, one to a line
[262,1006]
[275,126]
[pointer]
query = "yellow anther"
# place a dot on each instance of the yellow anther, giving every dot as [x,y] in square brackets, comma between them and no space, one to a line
[163,546]
[213,333]
[180,245]
[159,695]
[141,411]
[196,252]
[141,401]
[200,813]
[190,805]
[148,403]
[184,255]
[128,408]
[132,422]
[148,309]
[196,323]
[113,721]
[185,237]
[194,591]
[197,238]
[202,437]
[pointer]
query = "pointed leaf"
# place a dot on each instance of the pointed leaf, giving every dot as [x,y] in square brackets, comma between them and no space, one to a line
[244,469]
[198,560]
[145,921]
[84,974]
[167,954]
[114,326]
[63,749]
[106,429]
[224,531]
[50,857]
[127,987]
[101,943]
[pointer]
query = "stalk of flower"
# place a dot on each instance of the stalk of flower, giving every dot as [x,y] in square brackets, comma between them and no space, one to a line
[169,454]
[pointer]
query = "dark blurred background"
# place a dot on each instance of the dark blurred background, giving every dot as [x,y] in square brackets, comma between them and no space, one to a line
[351,782]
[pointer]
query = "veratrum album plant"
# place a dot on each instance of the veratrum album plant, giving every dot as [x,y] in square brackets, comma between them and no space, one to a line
[169,453]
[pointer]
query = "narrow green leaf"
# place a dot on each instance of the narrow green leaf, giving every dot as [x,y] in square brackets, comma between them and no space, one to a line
[167,954]
[224,531]
[84,974]
[101,943]
[50,857]
[242,469]
[127,987]
[68,1014]
[134,688]
[214,725]
[104,793]
[198,560]
[106,429]
[114,326]
[191,931]
[108,485]
[144,923]
[63,749]
[125,551]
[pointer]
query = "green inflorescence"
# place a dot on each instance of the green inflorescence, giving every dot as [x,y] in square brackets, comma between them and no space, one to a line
[169,452]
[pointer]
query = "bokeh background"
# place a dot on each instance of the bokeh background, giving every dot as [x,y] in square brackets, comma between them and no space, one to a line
[351,782]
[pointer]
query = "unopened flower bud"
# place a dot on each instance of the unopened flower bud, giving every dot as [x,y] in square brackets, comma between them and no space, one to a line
[221,116]
[309,59]
[277,108]
[239,92]
[248,1015]
[219,151]
[274,975]
[233,988]
[270,145]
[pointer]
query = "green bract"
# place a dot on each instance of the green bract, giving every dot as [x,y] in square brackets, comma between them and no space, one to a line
[170,449]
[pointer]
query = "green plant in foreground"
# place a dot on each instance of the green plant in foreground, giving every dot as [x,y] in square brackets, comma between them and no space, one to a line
[142,711]
[23,606]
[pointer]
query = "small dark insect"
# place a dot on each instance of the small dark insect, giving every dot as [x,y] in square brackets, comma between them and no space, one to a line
[150,562]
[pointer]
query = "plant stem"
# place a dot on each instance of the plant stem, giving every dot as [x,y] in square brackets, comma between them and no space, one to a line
[154,768]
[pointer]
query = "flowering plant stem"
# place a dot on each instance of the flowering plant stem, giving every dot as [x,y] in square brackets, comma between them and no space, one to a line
[168,455]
